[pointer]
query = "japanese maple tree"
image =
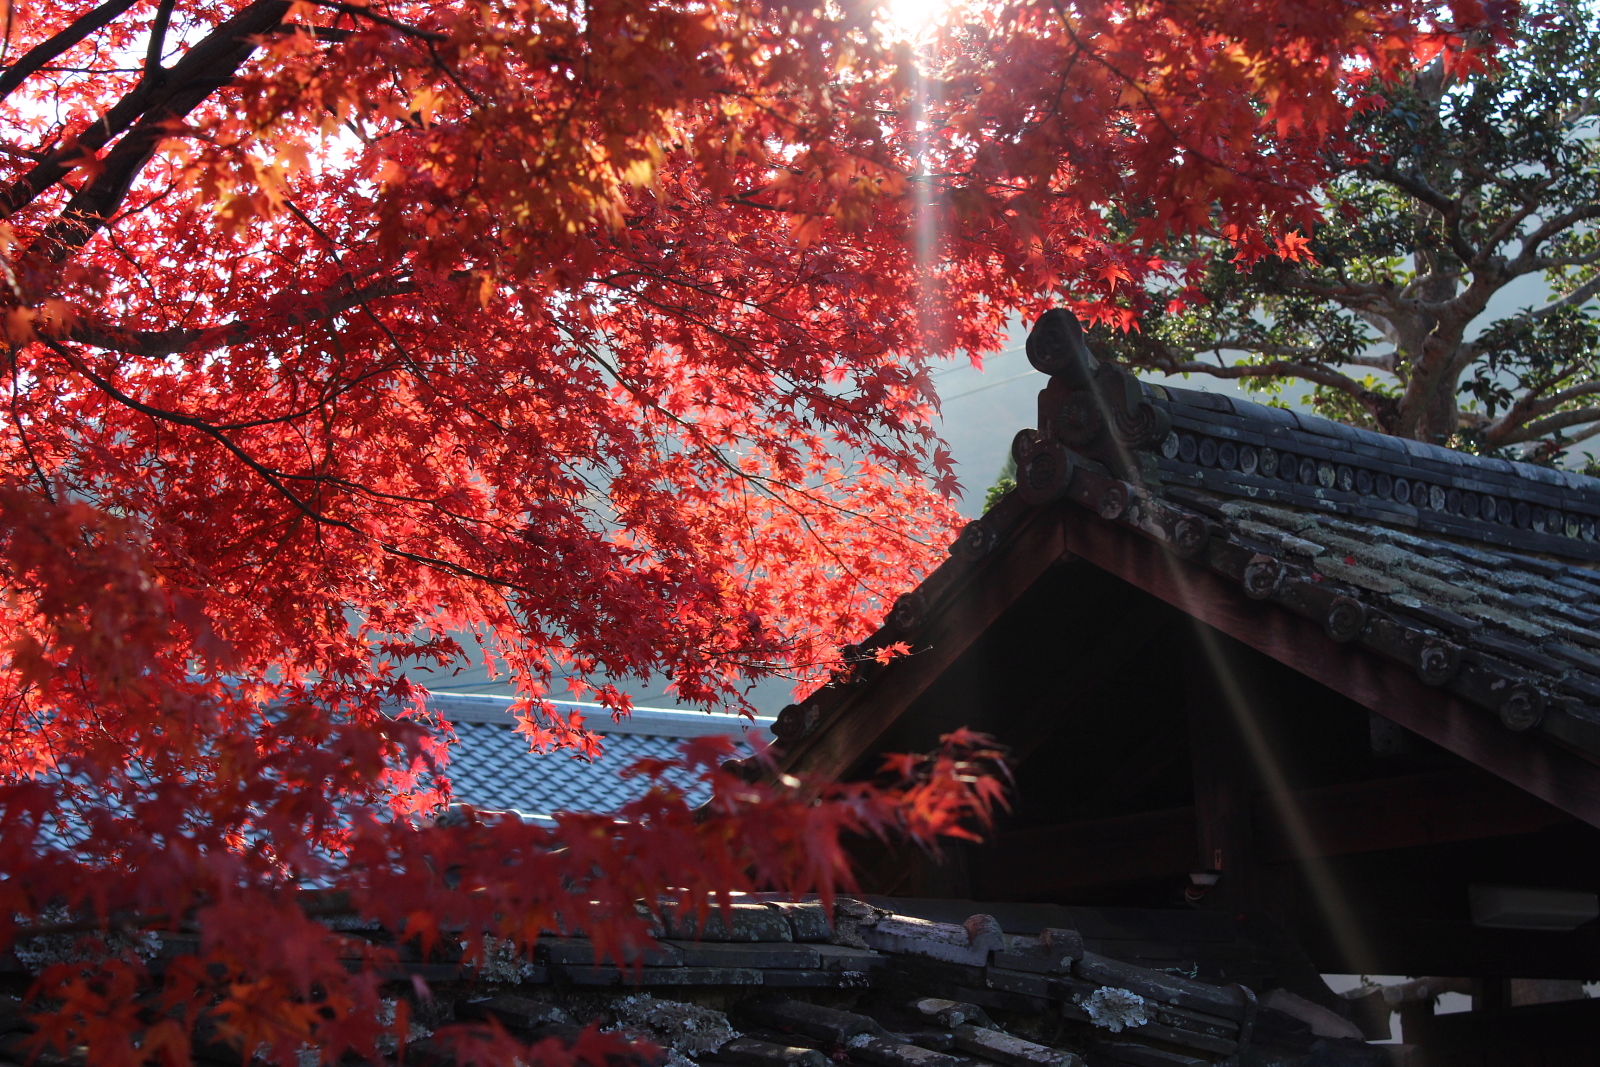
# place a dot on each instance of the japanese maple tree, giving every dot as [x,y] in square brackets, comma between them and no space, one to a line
[599,331]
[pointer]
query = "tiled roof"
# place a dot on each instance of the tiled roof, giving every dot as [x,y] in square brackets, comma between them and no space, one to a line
[1479,574]
[771,983]
[1517,634]
[1239,448]
[492,767]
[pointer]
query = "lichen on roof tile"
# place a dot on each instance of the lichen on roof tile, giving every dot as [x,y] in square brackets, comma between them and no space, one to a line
[1273,535]
[1361,577]
[1282,518]
[1383,557]
[1511,622]
[1434,588]
[1498,598]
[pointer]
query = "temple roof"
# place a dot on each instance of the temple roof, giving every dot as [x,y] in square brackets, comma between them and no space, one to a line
[1449,591]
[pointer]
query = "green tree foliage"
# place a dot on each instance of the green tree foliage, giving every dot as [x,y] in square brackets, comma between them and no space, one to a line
[1452,189]
[1004,482]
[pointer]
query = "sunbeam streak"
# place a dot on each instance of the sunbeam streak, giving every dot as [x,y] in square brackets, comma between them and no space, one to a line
[1242,705]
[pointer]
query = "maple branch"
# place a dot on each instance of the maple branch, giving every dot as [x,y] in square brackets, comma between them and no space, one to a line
[432,39]
[818,398]
[272,477]
[1154,108]
[766,485]
[22,432]
[321,33]
[158,343]
[205,68]
[179,418]
[94,205]
[362,11]
[158,39]
[40,55]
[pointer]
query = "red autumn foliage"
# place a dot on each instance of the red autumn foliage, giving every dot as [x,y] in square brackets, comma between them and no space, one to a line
[600,331]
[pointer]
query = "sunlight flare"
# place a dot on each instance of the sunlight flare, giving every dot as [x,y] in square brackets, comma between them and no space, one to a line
[911,19]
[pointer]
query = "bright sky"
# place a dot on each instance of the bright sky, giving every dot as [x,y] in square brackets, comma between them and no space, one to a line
[908,18]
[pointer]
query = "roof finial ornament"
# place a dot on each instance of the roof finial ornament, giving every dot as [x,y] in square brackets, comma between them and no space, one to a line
[1098,409]
[1056,347]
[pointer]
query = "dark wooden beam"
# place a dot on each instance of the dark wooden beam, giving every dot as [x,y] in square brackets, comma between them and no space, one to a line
[1223,714]
[1387,813]
[1404,812]
[1559,1033]
[849,732]
[1420,945]
[1528,761]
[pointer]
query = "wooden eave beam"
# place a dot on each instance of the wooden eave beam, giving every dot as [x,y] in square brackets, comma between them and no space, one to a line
[1553,774]
[1408,811]
[1403,812]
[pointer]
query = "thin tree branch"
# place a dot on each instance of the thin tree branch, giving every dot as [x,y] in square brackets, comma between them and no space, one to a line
[1310,372]
[1532,431]
[1508,225]
[203,69]
[267,474]
[1419,187]
[1583,434]
[1565,396]
[41,54]
[158,343]
[1384,362]
[1265,348]
[365,12]
[1565,221]
[1578,296]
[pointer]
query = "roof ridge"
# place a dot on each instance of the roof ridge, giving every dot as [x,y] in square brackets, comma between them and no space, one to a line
[1317,424]
[1159,437]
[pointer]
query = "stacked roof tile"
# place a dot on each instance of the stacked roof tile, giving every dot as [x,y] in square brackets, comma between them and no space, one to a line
[779,984]
[492,767]
[1239,448]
